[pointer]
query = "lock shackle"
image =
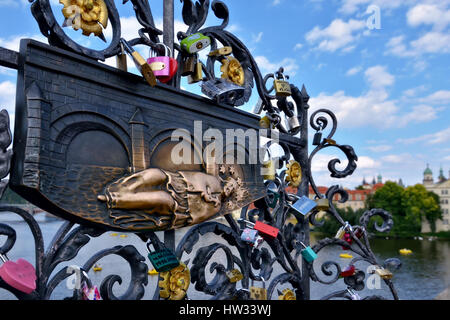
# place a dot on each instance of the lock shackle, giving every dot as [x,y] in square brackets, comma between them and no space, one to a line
[260,279]
[167,50]
[85,278]
[347,226]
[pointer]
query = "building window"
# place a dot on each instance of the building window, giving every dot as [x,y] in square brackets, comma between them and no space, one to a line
[445,221]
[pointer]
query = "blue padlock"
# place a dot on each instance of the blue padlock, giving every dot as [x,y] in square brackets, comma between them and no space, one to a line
[304,205]
[308,254]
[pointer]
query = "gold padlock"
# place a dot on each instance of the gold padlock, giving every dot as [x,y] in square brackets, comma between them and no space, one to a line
[264,123]
[225,51]
[141,64]
[188,66]
[257,293]
[121,60]
[197,76]
[385,274]
[235,275]
[282,87]
[323,204]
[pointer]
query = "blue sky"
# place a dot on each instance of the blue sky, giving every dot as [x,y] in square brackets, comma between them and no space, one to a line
[389,87]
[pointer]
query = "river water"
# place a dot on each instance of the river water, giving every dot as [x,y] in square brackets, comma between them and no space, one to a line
[423,275]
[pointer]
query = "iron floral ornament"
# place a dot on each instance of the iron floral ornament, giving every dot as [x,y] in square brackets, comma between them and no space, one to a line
[92,145]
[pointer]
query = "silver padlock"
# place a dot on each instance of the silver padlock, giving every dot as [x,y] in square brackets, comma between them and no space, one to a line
[223,91]
[293,123]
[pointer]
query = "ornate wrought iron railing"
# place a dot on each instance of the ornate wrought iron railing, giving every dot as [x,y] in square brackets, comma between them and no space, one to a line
[254,263]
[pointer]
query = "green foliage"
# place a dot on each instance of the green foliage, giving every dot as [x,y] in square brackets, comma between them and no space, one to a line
[407,206]
[10,197]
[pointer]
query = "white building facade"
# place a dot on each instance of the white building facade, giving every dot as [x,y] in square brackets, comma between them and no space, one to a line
[442,189]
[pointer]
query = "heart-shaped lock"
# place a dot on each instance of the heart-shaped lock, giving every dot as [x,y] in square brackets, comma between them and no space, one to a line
[20,275]
[172,71]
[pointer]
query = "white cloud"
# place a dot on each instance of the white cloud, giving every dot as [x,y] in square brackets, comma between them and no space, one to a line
[298,46]
[433,138]
[353,71]
[338,35]
[374,106]
[258,37]
[290,65]
[380,148]
[429,14]
[353,6]
[276,2]
[379,77]
[439,97]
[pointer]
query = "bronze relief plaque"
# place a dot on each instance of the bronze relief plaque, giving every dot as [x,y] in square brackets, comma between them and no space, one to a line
[94,145]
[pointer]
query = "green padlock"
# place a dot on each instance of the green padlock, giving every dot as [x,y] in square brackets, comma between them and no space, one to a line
[162,258]
[308,253]
[195,43]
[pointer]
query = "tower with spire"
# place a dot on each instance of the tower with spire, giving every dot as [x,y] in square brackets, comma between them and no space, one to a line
[380,178]
[441,177]
[428,176]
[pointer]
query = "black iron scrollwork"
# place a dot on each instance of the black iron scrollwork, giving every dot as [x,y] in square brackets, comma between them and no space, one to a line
[282,252]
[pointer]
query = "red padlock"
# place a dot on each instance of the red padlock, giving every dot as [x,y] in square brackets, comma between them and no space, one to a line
[348,239]
[266,230]
[348,272]
[172,71]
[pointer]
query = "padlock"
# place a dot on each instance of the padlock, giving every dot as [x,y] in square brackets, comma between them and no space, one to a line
[235,275]
[249,235]
[308,253]
[303,205]
[195,43]
[162,258]
[340,233]
[222,91]
[224,51]
[257,293]
[385,274]
[322,204]
[282,87]
[121,59]
[272,195]
[197,76]
[263,229]
[160,64]
[348,272]
[142,65]
[347,238]
[258,242]
[264,123]
[173,71]
[317,140]
[188,66]
[20,275]
[293,123]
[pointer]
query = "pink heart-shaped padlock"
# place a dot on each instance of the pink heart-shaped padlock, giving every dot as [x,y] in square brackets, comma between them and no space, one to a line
[20,275]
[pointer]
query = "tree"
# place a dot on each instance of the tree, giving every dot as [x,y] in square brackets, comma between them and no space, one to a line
[421,204]
[408,206]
